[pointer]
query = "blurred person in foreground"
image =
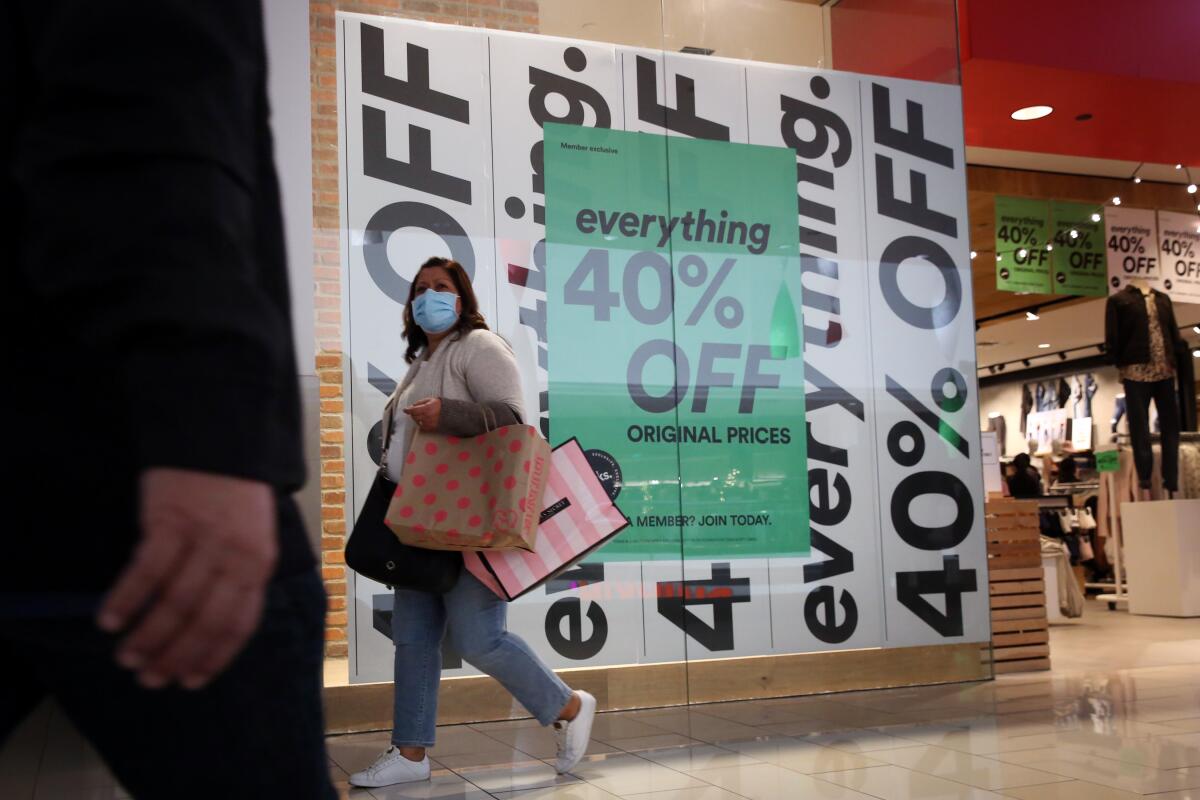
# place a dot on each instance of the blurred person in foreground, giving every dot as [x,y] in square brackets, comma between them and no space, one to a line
[158,582]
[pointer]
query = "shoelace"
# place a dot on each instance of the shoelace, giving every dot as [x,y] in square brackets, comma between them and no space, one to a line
[385,758]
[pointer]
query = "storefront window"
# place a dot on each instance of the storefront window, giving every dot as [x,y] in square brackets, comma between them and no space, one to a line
[737,278]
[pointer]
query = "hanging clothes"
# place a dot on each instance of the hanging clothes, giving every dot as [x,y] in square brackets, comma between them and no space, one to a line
[997,425]
[1118,411]
[1070,596]
[1026,404]
[1062,393]
[1090,387]
[1041,393]
[1077,397]
[1186,377]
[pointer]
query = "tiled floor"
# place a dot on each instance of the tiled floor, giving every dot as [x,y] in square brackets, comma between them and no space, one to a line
[1119,718]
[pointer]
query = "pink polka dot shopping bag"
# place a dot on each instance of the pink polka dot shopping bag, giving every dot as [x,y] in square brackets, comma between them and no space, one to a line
[481,493]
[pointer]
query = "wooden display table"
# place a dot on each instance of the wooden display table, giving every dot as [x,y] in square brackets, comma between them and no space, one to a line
[1020,630]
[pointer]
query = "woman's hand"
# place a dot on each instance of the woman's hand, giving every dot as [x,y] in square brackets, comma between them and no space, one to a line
[426,414]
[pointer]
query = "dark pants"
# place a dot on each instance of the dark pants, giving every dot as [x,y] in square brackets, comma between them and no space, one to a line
[1138,395]
[254,732]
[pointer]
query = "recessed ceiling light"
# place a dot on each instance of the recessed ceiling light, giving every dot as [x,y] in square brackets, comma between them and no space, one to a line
[997,256]
[1049,247]
[1044,346]
[1032,112]
[973,254]
[1032,317]
[1116,201]
[1022,252]
[1191,188]
[1196,328]
[1179,166]
[1137,180]
[1074,233]
[1095,217]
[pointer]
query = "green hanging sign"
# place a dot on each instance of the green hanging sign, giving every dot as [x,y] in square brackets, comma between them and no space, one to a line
[1078,264]
[676,340]
[1022,233]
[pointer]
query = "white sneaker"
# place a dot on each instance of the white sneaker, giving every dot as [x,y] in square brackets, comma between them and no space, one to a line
[573,736]
[391,767]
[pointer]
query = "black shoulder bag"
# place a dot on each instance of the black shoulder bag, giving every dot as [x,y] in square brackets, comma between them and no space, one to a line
[374,551]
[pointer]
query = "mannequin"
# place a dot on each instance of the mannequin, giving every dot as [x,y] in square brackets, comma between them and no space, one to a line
[996,423]
[1141,338]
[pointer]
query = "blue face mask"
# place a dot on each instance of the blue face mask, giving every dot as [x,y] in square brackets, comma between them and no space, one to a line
[435,312]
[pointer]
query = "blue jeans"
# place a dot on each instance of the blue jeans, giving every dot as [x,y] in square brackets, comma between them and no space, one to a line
[475,619]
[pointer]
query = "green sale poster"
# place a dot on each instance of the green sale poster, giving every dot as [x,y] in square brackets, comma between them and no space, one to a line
[1078,265]
[1022,232]
[674,333]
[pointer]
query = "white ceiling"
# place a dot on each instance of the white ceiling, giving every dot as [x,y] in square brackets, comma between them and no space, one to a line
[1063,328]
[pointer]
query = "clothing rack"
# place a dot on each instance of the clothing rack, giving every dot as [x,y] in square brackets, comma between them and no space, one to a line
[1055,501]
[1156,438]
[1072,489]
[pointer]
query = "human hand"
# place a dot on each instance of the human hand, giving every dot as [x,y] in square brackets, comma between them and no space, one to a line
[193,593]
[426,414]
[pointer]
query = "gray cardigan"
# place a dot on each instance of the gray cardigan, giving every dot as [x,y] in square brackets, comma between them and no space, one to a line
[476,377]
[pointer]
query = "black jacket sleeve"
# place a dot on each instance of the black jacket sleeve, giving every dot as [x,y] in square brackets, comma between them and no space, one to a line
[1111,330]
[151,224]
[464,418]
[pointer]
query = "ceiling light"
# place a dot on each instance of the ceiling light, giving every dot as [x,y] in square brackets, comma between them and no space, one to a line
[973,254]
[997,256]
[1137,179]
[1196,354]
[1191,188]
[1022,252]
[1196,328]
[1095,217]
[1032,112]
[1074,233]
[1116,201]
[1179,166]
[1032,316]
[1044,346]
[1049,247]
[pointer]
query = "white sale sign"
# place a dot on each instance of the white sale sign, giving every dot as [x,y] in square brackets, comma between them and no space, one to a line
[1130,236]
[1179,255]
[443,155]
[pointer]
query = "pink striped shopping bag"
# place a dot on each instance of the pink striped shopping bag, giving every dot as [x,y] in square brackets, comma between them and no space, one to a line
[578,518]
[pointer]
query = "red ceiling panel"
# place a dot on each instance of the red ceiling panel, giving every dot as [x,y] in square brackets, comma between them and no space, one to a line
[1134,65]
[1154,39]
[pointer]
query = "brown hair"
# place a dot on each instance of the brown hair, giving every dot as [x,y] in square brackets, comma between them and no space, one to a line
[470,319]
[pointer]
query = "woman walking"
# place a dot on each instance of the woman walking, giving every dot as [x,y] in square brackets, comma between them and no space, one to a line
[462,381]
